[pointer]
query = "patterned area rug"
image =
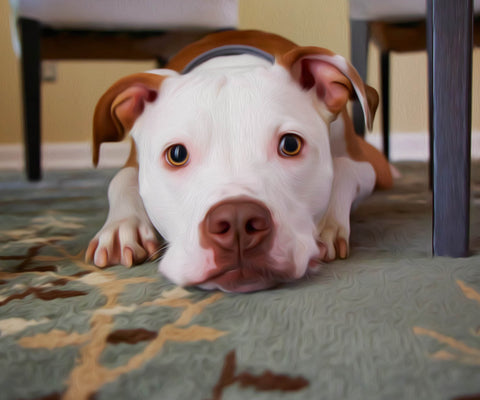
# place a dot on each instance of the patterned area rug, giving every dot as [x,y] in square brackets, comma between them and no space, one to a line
[389,322]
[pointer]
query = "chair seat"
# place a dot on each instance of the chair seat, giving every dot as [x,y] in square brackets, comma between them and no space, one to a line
[130,14]
[392,10]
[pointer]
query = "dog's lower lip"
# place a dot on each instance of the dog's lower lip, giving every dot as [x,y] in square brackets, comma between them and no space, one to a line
[233,280]
[217,275]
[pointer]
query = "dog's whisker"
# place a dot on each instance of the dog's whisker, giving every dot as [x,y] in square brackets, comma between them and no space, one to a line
[157,253]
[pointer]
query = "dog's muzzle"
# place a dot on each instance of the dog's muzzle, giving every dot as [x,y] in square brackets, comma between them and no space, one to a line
[240,232]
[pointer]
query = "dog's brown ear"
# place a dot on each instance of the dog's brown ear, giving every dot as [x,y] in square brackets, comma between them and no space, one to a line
[120,106]
[372,100]
[334,78]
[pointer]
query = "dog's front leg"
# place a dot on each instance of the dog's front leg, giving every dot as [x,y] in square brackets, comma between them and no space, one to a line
[127,237]
[353,180]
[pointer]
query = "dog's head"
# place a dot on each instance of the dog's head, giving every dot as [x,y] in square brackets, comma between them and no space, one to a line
[235,169]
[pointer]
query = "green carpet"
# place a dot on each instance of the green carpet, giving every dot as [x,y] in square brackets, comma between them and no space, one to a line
[391,322]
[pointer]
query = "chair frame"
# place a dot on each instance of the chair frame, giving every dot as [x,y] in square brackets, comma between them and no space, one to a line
[390,37]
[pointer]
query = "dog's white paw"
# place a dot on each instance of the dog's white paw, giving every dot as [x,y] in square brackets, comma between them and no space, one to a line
[127,241]
[333,241]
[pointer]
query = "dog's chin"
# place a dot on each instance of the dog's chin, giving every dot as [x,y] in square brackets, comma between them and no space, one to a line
[234,282]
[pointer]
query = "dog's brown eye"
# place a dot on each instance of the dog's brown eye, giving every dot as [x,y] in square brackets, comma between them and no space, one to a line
[177,155]
[290,145]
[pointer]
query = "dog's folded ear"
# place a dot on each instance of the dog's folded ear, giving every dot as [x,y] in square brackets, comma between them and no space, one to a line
[120,106]
[336,81]
[372,99]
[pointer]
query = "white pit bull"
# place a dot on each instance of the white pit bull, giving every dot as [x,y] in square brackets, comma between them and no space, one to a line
[245,161]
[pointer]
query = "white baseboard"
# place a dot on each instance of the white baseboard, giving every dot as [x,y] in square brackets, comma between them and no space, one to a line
[403,146]
[414,146]
[66,155]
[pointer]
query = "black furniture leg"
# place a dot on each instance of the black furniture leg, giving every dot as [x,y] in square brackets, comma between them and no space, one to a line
[161,62]
[359,37]
[451,58]
[385,79]
[30,39]
[429,29]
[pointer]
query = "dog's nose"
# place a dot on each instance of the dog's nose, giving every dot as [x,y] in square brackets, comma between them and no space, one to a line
[240,232]
[237,225]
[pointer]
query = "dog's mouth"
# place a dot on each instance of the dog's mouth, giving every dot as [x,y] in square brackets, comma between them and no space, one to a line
[233,281]
[244,280]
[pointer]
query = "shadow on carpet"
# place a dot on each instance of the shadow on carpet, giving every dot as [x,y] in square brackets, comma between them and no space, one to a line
[389,322]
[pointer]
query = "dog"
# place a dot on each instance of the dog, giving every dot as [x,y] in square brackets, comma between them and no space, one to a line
[244,159]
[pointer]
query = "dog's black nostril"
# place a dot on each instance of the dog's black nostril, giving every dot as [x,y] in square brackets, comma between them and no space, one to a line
[249,228]
[221,227]
[255,225]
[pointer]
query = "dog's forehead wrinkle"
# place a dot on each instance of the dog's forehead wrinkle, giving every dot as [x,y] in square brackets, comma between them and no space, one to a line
[236,112]
[237,89]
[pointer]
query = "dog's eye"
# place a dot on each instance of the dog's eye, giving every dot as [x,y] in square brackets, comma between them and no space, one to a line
[290,145]
[177,155]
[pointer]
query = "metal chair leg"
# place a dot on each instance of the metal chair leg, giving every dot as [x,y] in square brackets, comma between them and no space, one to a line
[451,116]
[359,36]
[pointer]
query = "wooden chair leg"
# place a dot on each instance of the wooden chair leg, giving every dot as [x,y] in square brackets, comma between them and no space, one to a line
[359,37]
[451,94]
[30,39]
[385,79]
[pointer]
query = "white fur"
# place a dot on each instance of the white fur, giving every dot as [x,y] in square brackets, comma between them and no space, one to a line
[353,182]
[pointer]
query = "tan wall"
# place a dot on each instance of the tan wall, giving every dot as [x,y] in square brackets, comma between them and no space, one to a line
[9,83]
[68,103]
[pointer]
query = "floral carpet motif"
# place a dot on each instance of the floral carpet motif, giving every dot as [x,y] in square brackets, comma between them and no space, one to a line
[389,322]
